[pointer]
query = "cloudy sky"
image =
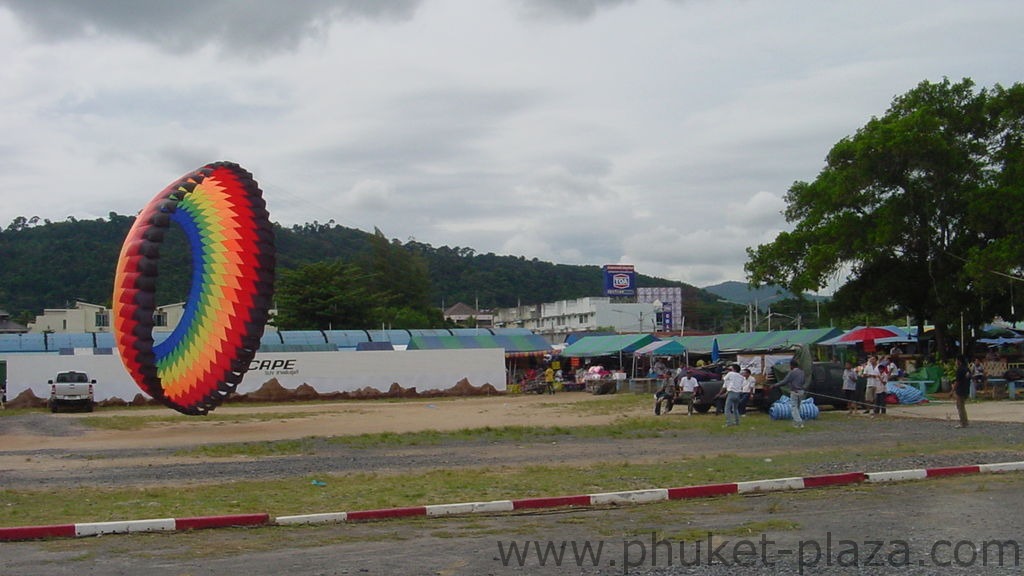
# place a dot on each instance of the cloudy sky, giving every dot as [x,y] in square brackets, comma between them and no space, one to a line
[659,133]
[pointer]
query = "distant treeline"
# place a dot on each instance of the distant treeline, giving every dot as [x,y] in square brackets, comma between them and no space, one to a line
[46,264]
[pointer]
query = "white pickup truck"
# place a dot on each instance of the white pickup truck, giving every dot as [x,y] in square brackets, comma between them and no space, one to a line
[71,389]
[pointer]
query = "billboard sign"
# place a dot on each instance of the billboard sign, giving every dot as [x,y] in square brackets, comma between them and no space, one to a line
[619,280]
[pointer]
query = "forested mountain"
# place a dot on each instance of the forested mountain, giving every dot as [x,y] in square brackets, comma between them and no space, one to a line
[47,264]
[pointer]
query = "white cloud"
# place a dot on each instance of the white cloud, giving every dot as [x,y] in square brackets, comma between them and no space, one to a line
[654,132]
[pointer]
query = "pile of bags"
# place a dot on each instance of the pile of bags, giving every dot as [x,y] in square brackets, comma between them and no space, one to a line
[782,409]
[904,393]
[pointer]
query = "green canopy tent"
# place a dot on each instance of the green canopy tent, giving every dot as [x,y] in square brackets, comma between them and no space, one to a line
[747,342]
[668,347]
[513,345]
[592,346]
[595,346]
[516,346]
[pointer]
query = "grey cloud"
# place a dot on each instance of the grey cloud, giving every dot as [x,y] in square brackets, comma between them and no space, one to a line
[252,27]
[571,10]
[423,128]
[189,105]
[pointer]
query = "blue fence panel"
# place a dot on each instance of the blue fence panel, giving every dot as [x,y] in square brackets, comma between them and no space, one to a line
[34,343]
[346,338]
[303,337]
[105,340]
[395,337]
[10,342]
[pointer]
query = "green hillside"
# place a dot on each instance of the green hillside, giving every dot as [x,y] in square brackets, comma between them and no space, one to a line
[47,264]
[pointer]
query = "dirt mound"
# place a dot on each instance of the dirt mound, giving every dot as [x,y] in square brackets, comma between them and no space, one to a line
[273,391]
[27,399]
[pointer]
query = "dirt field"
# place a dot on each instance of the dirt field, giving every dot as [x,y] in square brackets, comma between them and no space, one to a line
[290,421]
[47,450]
[307,419]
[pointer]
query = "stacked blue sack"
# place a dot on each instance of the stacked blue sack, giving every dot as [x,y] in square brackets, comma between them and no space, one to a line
[782,409]
[905,393]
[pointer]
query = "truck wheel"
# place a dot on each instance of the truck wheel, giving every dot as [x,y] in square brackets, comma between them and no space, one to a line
[53,407]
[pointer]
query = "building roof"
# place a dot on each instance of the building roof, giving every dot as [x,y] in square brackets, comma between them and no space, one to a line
[8,326]
[461,309]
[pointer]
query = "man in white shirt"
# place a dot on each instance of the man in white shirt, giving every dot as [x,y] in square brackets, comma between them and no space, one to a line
[732,385]
[749,384]
[687,387]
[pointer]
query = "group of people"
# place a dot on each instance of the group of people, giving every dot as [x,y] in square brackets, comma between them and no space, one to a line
[877,373]
[679,387]
[738,385]
[737,388]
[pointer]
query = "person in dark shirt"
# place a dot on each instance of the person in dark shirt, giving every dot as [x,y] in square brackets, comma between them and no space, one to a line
[795,382]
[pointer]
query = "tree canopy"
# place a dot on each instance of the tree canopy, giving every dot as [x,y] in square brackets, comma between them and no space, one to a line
[922,209]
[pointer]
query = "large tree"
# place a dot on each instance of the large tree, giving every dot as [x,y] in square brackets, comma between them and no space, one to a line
[324,296]
[920,210]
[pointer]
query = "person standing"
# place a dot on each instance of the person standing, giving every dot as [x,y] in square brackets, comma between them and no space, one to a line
[962,390]
[871,374]
[549,380]
[732,385]
[850,387]
[749,383]
[687,387]
[795,382]
[883,388]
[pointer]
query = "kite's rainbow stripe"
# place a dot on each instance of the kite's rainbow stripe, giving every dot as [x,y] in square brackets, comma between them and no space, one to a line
[221,209]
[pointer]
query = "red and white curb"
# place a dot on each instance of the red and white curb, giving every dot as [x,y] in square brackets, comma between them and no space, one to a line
[132,526]
[498,506]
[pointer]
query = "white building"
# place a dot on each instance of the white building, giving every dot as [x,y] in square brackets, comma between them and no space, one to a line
[564,317]
[86,317]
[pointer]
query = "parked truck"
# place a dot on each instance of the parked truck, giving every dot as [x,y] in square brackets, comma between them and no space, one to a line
[71,389]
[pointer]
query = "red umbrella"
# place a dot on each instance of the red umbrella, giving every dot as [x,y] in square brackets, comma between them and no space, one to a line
[865,333]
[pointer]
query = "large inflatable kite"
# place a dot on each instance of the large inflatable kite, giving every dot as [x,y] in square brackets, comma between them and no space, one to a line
[221,209]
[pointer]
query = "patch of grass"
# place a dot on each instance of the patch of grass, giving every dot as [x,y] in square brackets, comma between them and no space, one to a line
[622,428]
[139,421]
[365,491]
[604,405]
[349,492]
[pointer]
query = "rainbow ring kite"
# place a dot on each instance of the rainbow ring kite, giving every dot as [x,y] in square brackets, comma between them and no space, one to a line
[221,209]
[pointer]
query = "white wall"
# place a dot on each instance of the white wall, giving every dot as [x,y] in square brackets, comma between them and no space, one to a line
[325,371]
